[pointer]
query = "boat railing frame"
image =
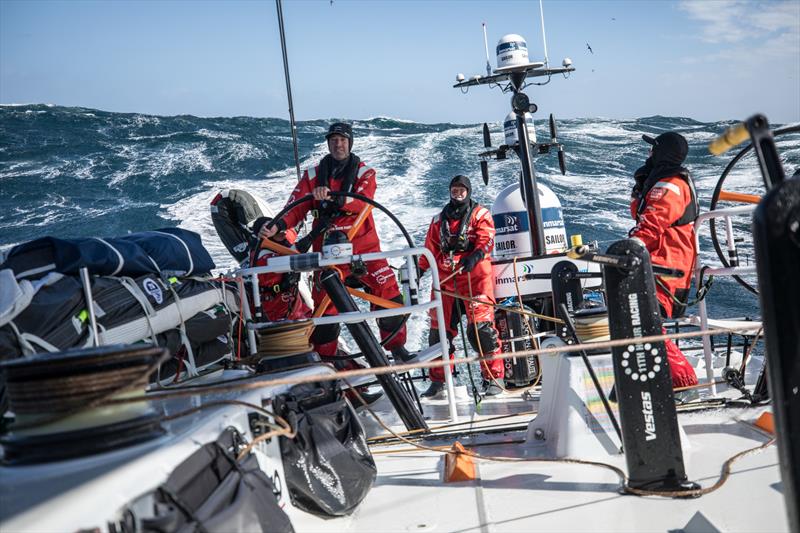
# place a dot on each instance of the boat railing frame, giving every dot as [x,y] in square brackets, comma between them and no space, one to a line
[315,261]
[704,270]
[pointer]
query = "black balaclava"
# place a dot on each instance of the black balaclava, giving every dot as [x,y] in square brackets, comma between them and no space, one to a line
[456,208]
[669,152]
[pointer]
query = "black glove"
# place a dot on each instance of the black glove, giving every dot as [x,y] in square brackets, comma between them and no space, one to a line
[469,262]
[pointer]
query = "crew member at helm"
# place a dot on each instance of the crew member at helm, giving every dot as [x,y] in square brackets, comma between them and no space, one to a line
[664,205]
[461,238]
[342,170]
[280,296]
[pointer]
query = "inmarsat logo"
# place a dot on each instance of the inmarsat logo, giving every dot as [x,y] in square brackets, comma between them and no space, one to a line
[510,224]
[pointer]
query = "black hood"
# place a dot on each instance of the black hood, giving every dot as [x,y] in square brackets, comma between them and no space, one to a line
[456,208]
[669,152]
[669,148]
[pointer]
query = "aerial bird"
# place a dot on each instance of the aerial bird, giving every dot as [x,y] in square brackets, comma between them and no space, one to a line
[590,48]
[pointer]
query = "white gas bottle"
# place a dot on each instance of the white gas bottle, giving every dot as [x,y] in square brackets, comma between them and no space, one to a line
[510,128]
[511,223]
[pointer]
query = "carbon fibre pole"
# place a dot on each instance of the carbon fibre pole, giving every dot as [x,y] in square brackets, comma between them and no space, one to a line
[288,87]
[372,352]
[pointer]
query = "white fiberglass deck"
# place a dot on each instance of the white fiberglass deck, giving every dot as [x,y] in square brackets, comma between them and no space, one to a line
[410,494]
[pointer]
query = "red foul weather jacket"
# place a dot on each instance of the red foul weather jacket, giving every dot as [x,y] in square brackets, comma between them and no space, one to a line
[480,234]
[279,302]
[671,245]
[366,239]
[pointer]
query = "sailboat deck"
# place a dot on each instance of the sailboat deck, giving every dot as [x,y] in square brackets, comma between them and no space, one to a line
[410,494]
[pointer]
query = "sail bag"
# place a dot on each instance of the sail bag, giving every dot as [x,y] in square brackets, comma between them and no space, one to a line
[328,466]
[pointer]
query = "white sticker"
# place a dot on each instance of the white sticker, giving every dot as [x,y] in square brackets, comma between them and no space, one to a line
[152,288]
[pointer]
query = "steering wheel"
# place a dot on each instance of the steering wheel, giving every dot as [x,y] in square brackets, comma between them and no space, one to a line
[367,200]
[721,195]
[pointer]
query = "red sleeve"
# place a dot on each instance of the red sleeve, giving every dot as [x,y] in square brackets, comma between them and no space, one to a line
[298,213]
[431,243]
[365,185]
[665,203]
[484,230]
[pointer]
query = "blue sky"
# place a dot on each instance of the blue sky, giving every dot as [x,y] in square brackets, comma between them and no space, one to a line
[708,60]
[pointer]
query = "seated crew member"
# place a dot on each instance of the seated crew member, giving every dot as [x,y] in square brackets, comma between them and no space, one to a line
[342,170]
[462,236]
[664,205]
[280,296]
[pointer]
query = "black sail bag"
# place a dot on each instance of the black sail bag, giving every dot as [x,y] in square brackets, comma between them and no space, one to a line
[328,466]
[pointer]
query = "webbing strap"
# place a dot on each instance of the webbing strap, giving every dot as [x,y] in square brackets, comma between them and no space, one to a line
[377,300]
[277,248]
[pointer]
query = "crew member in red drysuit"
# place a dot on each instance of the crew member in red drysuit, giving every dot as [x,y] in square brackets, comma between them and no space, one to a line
[342,170]
[664,205]
[280,297]
[462,236]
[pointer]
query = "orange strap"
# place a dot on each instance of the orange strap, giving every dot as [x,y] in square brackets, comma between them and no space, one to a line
[362,217]
[377,300]
[739,197]
[277,248]
[326,301]
[322,307]
[371,298]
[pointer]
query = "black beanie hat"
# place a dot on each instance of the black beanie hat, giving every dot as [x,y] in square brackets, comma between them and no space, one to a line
[341,128]
[669,147]
[462,181]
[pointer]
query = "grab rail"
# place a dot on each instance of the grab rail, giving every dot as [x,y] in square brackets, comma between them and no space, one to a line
[725,214]
[315,261]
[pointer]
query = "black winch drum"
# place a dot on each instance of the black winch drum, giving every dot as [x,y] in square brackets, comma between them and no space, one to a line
[60,403]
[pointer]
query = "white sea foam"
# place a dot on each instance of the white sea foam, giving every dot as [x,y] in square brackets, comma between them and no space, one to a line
[613,130]
[145,120]
[163,162]
[240,151]
[203,132]
[381,117]
[157,137]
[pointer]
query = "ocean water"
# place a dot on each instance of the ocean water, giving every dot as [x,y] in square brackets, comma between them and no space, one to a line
[75,172]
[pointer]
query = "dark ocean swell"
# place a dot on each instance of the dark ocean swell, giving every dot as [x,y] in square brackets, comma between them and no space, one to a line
[74,172]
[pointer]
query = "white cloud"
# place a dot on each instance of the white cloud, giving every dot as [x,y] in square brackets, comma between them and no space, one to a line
[736,21]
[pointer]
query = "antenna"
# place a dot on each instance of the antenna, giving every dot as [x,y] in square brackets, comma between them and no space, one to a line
[288,87]
[486,47]
[544,38]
